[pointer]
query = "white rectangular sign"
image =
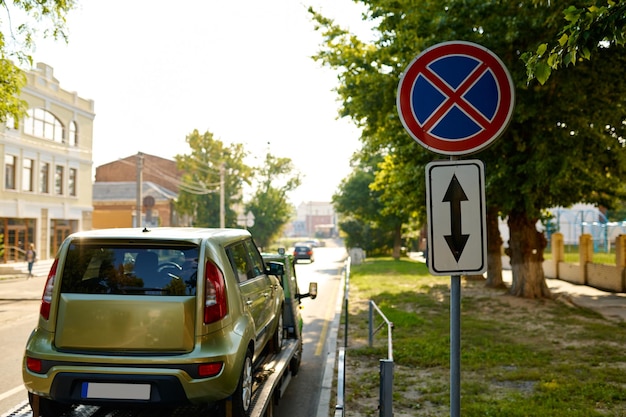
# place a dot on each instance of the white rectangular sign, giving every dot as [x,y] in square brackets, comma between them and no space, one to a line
[455,205]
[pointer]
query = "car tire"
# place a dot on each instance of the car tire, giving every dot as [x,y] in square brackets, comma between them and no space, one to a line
[242,397]
[276,344]
[48,407]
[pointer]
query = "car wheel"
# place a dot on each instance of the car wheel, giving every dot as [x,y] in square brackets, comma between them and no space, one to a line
[277,338]
[242,398]
[47,407]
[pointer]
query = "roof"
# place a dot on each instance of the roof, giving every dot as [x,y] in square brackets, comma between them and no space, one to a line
[127,191]
[167,233]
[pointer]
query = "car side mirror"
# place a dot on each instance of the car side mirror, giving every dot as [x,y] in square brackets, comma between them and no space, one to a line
[312,292]
[275,268]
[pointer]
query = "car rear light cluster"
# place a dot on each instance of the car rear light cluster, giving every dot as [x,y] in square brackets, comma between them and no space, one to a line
[34,365]
[46,298]
[215,306]
[206,370]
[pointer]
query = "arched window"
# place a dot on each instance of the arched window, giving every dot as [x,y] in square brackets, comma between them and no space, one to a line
[43,124]
[73,139]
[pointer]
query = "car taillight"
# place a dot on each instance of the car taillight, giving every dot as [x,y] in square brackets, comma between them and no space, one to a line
[34,365]
[46,298]
[215,307]
[210,369]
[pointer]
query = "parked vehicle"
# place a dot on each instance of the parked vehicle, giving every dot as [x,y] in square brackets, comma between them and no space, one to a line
[168,316]
[286,273]
[303,251]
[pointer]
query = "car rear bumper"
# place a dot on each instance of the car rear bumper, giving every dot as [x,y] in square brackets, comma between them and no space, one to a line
[145,385]
[74,388]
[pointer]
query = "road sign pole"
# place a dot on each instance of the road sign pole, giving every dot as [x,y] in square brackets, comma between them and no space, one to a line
[455,346]
[455,341]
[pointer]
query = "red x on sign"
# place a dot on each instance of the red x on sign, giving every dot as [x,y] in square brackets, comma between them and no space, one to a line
[455,98]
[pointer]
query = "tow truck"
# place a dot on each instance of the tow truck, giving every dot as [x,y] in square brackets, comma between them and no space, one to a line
[272,375]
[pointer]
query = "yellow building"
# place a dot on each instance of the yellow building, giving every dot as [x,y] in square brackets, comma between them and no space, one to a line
[46,184]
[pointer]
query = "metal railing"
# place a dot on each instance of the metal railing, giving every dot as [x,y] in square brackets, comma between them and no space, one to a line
[341,383]
[385,405]
[346,292]
[14,253]
[372,331]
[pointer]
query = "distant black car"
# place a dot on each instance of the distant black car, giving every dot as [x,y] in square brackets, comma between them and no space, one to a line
[303,251]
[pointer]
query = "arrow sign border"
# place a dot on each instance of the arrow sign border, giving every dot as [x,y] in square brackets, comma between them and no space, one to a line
[442,260]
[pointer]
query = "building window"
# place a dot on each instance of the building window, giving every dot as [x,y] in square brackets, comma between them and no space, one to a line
[11,125]
[44,178]
[72,182]
[43,124]
[9,171]
[27,174]
[58,180]
[73,139]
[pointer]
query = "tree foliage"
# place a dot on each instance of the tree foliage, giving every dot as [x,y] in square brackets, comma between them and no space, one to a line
[589,26]
[202,169]
[269,204]
[365,221]
[565,143]
[22,22]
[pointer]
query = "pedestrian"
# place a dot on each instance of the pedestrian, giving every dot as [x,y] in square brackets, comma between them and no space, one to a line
[31,257]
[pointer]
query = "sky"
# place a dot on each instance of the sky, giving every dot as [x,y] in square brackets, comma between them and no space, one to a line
[242,70]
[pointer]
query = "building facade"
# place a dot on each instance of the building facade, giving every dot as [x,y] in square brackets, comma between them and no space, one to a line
[116,193]
[315,219]
[46,191]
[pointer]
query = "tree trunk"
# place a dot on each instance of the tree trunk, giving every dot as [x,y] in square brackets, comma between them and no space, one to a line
[397,241]
[494,251]
[525,249]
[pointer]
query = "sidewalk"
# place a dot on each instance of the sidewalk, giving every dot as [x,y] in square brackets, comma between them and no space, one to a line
[610,305]
[19,270]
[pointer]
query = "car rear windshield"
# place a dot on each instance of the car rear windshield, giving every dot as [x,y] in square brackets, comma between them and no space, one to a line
[114,268]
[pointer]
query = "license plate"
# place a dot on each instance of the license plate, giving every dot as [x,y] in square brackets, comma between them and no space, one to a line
[113,391]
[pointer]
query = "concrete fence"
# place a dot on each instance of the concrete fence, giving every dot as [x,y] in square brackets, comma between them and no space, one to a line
[585,272]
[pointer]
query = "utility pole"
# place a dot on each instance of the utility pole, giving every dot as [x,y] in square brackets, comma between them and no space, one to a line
[222,198]
[139,187]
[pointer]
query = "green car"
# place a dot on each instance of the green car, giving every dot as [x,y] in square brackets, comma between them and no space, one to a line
[164,316]
[283,266]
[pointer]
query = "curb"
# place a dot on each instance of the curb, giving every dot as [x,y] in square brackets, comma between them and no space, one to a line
[323,407]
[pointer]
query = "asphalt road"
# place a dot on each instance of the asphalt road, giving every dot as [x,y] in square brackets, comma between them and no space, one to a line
[19,311]
[304,393]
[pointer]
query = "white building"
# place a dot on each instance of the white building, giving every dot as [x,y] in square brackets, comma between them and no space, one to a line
[46,191]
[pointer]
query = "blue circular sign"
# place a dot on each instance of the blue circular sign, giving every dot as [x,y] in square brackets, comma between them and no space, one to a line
[455,98]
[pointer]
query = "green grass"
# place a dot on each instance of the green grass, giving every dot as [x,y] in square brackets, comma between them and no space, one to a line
[518,357]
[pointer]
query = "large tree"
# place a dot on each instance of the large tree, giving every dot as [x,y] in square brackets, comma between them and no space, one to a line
[588,26]
[364,219]
[22,22]
[211,163]
[269,204]
[563,145]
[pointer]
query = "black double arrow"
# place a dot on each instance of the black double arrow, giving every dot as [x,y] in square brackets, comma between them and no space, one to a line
[456,239]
